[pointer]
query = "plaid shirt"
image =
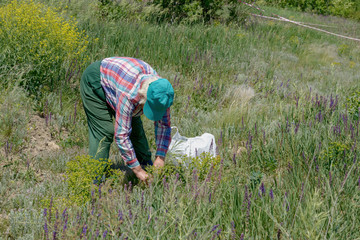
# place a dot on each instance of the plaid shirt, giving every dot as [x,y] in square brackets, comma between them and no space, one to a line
[121,78]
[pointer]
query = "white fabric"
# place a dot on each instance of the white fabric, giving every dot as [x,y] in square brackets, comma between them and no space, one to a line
[181,146]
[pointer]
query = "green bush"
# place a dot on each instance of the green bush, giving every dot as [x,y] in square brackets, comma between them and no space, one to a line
[81,173]
[40,42]
[203,166]
[334,156]
[353,104]
[344,8]
[173,11]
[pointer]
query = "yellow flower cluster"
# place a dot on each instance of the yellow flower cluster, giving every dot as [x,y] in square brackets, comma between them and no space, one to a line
[82,171]
[335,153]
[38,35]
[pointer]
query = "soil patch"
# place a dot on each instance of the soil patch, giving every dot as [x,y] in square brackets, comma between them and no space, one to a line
[41,140]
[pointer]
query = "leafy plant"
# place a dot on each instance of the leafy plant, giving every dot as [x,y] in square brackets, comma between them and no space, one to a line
[81,174]
[344,8]
[185,11]
[353,104]
[40,41]
[334,156]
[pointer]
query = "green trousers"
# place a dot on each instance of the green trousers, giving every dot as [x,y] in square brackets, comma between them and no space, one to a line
[100,119]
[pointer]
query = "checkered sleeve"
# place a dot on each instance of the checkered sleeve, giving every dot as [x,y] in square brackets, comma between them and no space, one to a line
[163,134]
[123,119]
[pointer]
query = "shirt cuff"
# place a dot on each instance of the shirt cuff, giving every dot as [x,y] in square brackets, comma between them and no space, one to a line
[160,153]
[133,163]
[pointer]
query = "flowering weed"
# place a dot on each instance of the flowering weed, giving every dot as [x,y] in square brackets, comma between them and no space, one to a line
[36,38]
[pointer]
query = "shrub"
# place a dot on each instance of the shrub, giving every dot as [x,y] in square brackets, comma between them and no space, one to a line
[200,165]
[353,104]
[344,8]
[335,155]
[81,173]
[192,11]
[205,163]
[185,11]
[41,42]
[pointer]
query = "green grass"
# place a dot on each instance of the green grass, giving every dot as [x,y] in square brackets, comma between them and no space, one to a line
[273,94]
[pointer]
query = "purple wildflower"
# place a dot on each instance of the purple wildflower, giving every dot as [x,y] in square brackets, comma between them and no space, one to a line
[120,215]
[249,143]
[297,101]
[214,227]
[290,167]
[271,193]
[105,233]
[218,233]
[233,230]
[46,230]
[242,237]
[84,230]
[54,234]
[220,138]
[262,189]
[55,225]
[65,224]
[211,145]
[78,217]
[99,190]
[64,213]
[51,203]
[97,233]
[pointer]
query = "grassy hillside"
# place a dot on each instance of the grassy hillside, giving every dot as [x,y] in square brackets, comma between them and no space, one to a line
[282,101]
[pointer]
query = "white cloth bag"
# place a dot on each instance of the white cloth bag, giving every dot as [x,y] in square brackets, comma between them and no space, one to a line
[181,146]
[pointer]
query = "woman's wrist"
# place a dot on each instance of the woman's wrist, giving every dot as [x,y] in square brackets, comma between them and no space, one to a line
[137,169]
[159,161]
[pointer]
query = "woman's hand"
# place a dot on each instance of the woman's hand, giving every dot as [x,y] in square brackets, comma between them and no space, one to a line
[141,173]
[159,162]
